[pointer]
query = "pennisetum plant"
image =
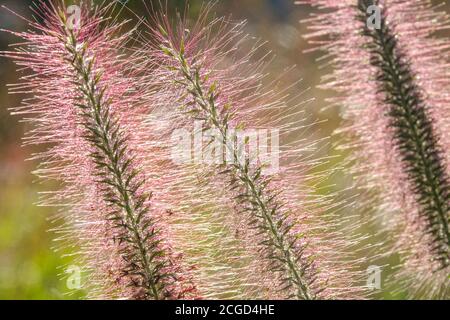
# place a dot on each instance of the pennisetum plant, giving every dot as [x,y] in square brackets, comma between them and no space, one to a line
[84,107]
[392,76]
[149,227]
[295,249]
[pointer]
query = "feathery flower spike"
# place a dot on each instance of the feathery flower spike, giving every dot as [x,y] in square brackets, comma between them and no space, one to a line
[86,107]
[393,82]
[295,252]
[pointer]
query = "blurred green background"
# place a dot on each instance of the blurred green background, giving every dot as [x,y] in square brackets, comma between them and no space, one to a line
[29,267]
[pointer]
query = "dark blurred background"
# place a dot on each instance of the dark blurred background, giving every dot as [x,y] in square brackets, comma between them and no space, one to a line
[29,268]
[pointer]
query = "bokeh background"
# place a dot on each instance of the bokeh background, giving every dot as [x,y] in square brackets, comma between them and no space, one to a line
[29,267]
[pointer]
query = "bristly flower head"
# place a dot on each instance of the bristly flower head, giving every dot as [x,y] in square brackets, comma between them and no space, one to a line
[291,248]
[393,79]
[84,106]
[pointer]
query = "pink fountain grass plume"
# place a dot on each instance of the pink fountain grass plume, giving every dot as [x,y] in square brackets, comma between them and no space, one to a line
[393,84]
[293,248]
[197,221]
[84,106]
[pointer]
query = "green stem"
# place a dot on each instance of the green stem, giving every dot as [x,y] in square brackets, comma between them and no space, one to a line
[105,136]
[280,244]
